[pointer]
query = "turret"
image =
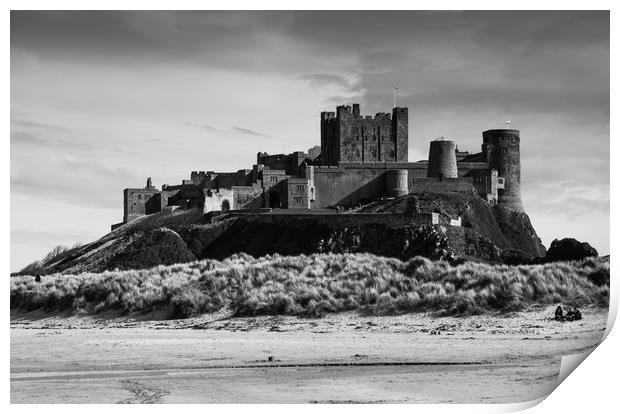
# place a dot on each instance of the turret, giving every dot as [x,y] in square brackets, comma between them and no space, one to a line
[501,149]
[442,159]
[397,183]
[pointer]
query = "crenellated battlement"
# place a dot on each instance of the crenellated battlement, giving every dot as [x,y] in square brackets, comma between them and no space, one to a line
[351,136]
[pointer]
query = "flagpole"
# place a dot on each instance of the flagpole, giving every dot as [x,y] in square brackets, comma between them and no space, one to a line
[395,89]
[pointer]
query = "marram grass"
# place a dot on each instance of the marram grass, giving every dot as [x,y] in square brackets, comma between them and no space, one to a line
[318,284]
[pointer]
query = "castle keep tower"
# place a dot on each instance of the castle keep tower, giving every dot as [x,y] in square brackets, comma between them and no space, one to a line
[348,136]
[500,147]
[442,159]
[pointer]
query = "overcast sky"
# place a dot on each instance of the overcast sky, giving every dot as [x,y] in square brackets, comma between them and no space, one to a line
[101,100]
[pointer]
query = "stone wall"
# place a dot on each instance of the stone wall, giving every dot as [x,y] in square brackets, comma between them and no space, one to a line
[298,192]
[248,197]
[287,162]
[340,221]
[352,183]
[214,200]
[465,168]
[135,202]
[439,185]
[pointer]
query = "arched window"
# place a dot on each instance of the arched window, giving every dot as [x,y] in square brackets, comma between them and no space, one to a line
[225,205]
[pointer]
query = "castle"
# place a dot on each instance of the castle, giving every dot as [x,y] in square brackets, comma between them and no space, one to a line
[361,158]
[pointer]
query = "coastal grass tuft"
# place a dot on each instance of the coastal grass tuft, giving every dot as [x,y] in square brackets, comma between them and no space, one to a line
[319,284]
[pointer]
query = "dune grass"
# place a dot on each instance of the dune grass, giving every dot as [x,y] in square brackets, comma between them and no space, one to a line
[319,284]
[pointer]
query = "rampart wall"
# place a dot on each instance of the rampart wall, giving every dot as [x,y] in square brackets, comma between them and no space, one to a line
[439,185]
[340,221]
[351,183]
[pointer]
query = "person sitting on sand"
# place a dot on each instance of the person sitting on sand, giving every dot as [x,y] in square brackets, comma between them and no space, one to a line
[573,314]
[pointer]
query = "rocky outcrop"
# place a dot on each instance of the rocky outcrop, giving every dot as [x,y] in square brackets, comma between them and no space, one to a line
[137,250]
[152,248]
[507,229]
[404,243]
[487,233]
[569,249]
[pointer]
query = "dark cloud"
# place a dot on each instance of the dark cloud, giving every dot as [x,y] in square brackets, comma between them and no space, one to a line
[26,138]
[325,79]
[39,125]
[234,129]
[201,126]
[250,132]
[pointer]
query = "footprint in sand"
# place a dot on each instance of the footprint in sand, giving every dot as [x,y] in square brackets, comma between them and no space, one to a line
[141,393]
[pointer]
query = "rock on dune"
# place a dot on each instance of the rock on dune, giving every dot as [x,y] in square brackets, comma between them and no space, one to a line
[569,249]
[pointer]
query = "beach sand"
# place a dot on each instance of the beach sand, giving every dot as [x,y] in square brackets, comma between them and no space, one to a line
[339,358]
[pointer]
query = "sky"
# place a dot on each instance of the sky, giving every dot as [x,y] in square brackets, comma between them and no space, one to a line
[101,100]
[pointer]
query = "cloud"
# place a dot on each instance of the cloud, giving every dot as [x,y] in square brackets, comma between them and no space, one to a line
[26,138]
[250,132]
[201,126]
[39,125]
[76,181]
[19,138]
[46,238]
[324,79]
[570,200]
[231,131]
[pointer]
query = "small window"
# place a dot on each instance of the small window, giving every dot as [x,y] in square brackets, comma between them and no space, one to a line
[300,188]
[274,179]
[139,196]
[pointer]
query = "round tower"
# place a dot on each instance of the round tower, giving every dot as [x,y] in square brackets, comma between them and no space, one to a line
[442,159]
[397,183]
[501,149]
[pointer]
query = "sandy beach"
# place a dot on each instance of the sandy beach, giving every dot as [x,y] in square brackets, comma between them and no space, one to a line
[413,358]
